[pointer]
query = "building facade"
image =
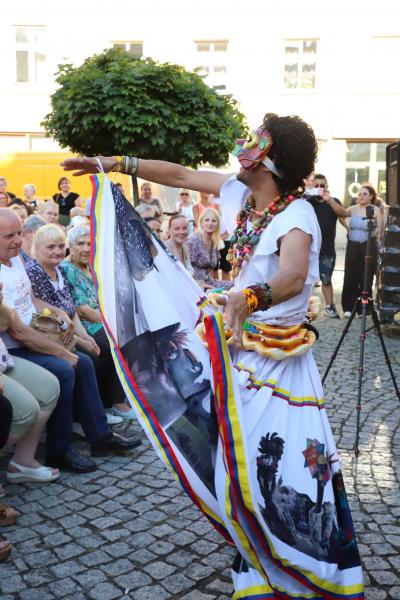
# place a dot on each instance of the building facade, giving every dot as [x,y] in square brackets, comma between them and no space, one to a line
[334,65]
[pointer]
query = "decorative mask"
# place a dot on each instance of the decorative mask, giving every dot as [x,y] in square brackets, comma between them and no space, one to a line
[254,149]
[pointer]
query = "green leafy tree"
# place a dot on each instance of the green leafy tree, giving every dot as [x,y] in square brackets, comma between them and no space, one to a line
[115,103]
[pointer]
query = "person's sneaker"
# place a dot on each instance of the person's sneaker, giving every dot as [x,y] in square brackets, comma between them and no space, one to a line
[347,314]
[114,420]
[330,310]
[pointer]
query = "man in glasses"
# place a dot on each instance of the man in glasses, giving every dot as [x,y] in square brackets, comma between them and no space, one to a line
[327,210]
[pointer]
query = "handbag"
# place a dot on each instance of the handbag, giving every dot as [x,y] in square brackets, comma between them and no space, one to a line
[52,328]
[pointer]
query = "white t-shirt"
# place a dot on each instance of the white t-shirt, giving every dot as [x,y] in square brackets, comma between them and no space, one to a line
[264,263]
[17,295]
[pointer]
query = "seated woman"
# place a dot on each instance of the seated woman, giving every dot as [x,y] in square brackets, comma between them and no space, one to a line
[204,247]
[49,211]
[33,393]
[178,231]
[83,293]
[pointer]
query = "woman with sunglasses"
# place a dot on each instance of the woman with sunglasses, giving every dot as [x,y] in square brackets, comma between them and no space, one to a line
[184,207]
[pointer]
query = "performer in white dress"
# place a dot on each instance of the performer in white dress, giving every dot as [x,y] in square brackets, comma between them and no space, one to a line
[271,480]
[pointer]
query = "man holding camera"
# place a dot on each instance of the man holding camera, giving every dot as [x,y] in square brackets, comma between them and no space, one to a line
[327,210]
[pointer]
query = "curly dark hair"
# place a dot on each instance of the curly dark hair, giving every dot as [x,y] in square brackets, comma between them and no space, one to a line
[294,150]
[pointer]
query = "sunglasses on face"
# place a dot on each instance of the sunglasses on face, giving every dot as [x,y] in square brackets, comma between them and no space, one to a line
[320,185]
[184,194]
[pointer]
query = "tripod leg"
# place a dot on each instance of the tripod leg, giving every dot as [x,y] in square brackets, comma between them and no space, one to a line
[365,302]
[345,330]
[385,353]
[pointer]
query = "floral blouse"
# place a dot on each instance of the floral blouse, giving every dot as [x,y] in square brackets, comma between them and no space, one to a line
[204,260]
[83,292]
[57,293]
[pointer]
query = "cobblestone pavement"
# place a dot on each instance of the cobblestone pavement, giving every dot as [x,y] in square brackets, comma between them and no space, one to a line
[127,531]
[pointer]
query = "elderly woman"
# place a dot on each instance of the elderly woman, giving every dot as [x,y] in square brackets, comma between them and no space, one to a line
[50,285]
[84,295]
[30,195]
[146,198]
[29,228]
[49,211]
[204,247]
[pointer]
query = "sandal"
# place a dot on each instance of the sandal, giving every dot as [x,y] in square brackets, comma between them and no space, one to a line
[26,474]
[8,515]
[5,548]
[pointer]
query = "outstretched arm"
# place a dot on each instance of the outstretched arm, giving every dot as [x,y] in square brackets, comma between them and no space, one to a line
[157,171]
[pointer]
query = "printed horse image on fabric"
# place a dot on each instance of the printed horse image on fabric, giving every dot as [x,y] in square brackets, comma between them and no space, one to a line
[319,529]
[165,369]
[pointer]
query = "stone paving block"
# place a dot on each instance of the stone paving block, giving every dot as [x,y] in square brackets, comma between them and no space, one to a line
[133,580]
[385,577]
[63,587]
[118,549]
[152,592]
[104,591]
[199,571]
[220,586]
[12,583]
[113,535]
[69,551]
[35,594]
[105,522]
[117,567]
[181,558]
[159,570]
[90,578]
[40,558]
[195,595]
[95,558]
[177,583]
[66,569]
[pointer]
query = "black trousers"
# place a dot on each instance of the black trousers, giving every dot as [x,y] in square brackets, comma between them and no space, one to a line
[354,272]
[111,390]
[5,419]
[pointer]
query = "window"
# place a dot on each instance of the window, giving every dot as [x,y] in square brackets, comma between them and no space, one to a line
[30,55]
[365,161]
[136,48]
[211,62]
[300,64]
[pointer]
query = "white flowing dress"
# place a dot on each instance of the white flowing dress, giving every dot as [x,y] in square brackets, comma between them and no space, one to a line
[270,481]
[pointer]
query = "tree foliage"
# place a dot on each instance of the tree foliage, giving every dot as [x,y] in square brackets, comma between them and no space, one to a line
[115,103]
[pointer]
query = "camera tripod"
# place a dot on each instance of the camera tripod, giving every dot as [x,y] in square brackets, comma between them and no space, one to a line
[367,306]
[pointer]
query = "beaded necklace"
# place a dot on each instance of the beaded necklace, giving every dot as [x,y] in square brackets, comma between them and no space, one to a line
[244,241]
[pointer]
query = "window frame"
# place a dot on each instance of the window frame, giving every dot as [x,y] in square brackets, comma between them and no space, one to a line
[302,59]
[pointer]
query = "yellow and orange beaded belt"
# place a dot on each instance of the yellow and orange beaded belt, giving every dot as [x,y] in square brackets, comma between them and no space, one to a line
[271,341]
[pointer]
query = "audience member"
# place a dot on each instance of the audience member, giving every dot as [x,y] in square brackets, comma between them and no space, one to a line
[49,211]
[30,195]
[4,199]
[146,211]
[204,201]
[33,393]
[204,247]
[65,199]
[356,248]
[5,425]
[146,198]
[178,231]
[3,188]
[19,210]
[81,287]
[155,225]
[327,210]
[77,383]
[29,228]
[184,207]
